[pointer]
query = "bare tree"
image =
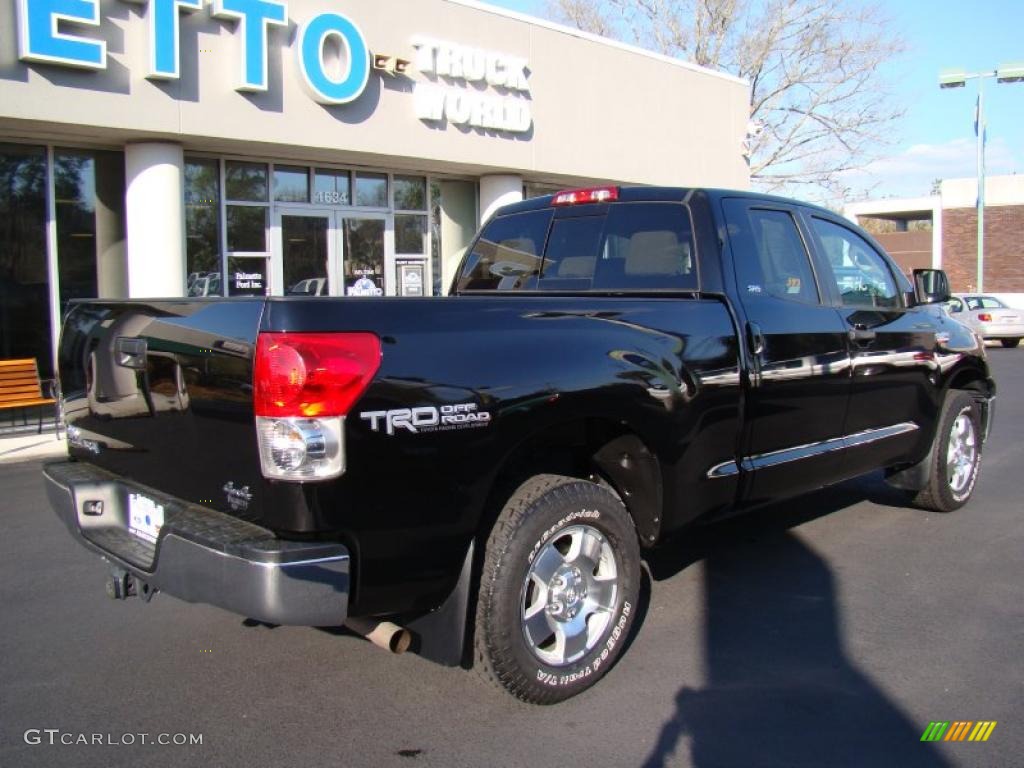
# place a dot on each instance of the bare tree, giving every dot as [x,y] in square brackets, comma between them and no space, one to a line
[820,105]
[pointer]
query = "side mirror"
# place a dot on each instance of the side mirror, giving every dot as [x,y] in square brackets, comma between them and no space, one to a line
[931,286]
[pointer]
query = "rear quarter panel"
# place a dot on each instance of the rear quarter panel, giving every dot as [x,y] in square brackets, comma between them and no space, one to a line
[409,503]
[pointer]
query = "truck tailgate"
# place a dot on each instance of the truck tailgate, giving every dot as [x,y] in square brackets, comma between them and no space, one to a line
[160,392]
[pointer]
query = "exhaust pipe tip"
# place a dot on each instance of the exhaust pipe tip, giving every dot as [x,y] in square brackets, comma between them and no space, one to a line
[400,641]
[383,634]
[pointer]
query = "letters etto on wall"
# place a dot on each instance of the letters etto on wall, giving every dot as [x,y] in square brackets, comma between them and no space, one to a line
[45,36]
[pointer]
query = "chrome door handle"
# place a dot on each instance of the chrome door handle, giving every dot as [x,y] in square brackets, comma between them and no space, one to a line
[862,336]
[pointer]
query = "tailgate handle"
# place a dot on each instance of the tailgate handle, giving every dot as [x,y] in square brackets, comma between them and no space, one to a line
[131,352]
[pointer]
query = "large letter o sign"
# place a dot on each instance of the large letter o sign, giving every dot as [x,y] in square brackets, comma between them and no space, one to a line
[311,58]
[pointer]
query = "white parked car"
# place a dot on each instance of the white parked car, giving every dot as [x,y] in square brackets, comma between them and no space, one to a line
[988,317]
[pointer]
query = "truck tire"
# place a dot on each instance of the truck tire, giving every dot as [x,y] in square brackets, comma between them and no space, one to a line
[1009,343]
[955,456]
[558,590]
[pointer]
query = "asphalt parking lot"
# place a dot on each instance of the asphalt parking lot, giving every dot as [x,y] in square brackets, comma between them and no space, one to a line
[827,631]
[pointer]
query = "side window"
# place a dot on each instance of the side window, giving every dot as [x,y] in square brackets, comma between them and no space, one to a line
[771,259]
[955,305]
[508,253]
[861,274]
[647,246]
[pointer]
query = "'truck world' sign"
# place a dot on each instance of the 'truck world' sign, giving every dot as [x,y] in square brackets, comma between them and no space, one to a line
[49,32]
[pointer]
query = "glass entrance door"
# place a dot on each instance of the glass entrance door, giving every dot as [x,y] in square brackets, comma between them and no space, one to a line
[366,256]
[324,252]
[307,253]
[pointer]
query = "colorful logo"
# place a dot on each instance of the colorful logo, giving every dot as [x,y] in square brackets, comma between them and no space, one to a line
[959,730]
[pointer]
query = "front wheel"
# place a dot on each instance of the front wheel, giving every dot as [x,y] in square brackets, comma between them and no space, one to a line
[956,455]
[1009,343]
[559,589]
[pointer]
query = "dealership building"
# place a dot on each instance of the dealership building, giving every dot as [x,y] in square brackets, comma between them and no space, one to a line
[941,232]
[325,147]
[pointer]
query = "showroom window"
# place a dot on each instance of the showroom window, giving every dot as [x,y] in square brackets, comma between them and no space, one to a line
[89,206]
[410,215]
[291,184]
[86,191]
[24,275]
[247,217]
[371,190]
[331,187]
[202,228]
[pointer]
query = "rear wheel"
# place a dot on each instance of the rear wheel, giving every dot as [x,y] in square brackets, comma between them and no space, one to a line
[1009,343]
[559,589]
[956,455]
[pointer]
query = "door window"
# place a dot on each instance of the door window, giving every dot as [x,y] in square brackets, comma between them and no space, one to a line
[771,259]
[304,253]
[861,274]
[364,256]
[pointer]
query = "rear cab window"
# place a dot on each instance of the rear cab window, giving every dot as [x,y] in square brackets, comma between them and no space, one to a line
[508,254]
[623,246]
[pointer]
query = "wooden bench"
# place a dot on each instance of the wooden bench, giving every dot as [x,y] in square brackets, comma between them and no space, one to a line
[21,387]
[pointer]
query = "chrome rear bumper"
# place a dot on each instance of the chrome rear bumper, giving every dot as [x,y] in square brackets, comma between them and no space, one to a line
[202,555]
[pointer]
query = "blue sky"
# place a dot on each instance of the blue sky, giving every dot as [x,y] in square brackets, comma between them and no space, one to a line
[936,137]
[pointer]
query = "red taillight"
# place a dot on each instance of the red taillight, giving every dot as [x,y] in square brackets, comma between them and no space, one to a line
[589,195]
[312,374]
[985,317]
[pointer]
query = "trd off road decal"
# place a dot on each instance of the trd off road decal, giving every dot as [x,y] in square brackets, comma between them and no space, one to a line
[427,418]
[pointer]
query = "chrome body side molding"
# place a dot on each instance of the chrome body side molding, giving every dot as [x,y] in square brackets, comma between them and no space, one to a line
[796,453]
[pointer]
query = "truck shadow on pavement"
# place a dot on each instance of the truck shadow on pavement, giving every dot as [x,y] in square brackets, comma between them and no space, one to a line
[781,689]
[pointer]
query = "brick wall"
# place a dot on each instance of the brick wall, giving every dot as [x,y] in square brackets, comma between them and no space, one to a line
[1004,248]
[910,250]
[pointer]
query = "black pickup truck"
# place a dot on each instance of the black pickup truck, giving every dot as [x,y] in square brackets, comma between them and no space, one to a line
[486,471]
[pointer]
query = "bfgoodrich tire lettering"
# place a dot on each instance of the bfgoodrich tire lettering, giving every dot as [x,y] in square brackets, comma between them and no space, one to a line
[558,590]
[956,455]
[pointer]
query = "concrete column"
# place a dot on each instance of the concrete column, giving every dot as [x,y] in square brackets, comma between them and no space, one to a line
[155,213]
[498,190]
[458,225]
